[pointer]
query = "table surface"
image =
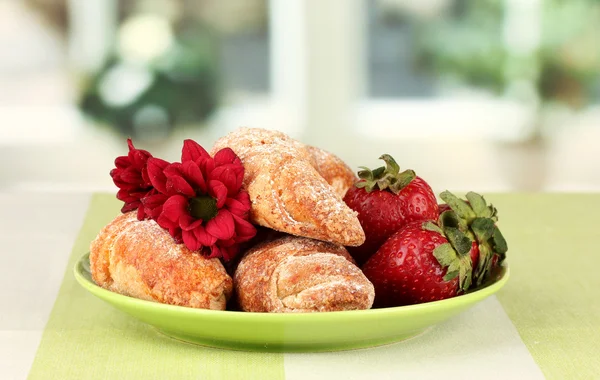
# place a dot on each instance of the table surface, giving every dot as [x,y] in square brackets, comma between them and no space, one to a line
[545,323]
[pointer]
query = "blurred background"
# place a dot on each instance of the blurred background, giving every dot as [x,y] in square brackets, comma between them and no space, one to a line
[489,95]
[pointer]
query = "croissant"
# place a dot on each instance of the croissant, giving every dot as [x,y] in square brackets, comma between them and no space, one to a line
[295,188]
[294,274]
[333,170]
[141,260]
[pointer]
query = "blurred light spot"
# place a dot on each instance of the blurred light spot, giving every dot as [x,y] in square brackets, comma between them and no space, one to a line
[123,84]
[151,122]
[144,38]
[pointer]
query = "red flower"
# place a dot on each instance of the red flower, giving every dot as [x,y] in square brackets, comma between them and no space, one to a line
[131,177]
[200,201]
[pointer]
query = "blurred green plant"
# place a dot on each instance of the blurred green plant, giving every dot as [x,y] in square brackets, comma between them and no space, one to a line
[157,77]
[467,46]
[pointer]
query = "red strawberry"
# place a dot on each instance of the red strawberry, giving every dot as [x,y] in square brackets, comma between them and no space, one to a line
[475,218]
[387,199]
[425,261]
[418,264]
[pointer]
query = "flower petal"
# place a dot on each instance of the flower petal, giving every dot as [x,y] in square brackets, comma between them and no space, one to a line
[131,176]
[207,165]
[226,156]
[141,213]
[122,162]
[172,210]
[191,151]
[153,203]
[190,240]
[188,222]
[229,253]
[204,237]
[139,158]
[130,206]
[221,226]
[215,251]
[125,196]
[217,190]
[156,175]
[236,207]
[178,185]
[244,230]
[194,175]
[231,176]
[227,243]
[240,205]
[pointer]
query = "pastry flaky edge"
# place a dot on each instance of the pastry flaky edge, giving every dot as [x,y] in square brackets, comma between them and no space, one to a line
[295,188]
[295,274]
[140,259]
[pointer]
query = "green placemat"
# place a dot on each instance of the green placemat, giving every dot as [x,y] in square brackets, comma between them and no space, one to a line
[553,296]
[88,339]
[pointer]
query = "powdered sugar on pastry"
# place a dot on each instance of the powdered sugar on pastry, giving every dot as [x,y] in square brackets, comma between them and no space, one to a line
[293,274]
[290,186]
[140,259]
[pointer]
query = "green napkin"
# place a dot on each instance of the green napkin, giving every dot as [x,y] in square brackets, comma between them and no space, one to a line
[86,338]
[553,299]
[553,296]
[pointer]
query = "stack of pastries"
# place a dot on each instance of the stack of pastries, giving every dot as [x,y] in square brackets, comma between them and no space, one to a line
[299,265]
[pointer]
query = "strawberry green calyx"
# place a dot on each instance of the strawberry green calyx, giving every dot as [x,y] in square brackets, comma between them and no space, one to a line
[385,177]
[453,255]
[477,221]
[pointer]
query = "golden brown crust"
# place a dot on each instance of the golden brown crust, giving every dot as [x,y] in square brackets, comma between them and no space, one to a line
[287,191]
[333,170]
[294,274]
[140,259]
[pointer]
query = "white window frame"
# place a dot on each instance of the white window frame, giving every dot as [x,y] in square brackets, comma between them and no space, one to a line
[319,75]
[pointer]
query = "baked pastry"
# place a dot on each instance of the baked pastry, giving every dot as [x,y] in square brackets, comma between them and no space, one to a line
[294,274]
[140,259]
[288,186]
[333,170]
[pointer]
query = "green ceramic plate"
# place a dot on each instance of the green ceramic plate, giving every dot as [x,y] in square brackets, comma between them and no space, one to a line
[308,332]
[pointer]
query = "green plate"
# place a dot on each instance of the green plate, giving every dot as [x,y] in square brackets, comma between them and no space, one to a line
[303,332]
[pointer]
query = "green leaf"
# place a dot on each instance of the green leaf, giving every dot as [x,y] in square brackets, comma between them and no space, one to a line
[384,182]
[485,263]
[365,173]
[460,242]
[462,209]
[466,272]
[449,219]
[406,178]
[467,282]
[430,226]
[450,275]
[378,173]
[454,266]
[478,204]
[500,245]
[494,212]
[390,163]
[483,228]
[445,254]
[386,177]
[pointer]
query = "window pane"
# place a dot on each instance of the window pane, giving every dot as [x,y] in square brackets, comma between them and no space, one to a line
[175,62]
[392,52]
[244,58]
[546,49]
